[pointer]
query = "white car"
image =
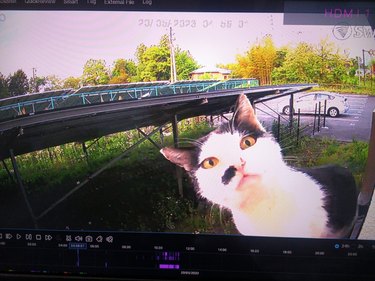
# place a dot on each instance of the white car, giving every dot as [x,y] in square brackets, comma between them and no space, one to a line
[307,102]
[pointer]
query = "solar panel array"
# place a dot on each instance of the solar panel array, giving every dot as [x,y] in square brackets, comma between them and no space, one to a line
[34,96]
[117,87]
[32,103]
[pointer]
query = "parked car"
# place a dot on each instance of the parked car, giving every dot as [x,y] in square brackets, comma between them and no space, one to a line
[336,104]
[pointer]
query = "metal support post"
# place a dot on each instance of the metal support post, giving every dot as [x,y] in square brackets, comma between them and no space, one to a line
[22,188]
[319,117]
[278,127]
[298,124]
[8,171]
[325,114]
[161,136]
[178,169]
[223,117]
[175,130]
[314,119]
[84,148]
[98,172]
[149,138]
[291,111]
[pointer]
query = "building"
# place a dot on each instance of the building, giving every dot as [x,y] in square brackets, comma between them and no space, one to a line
[206,73]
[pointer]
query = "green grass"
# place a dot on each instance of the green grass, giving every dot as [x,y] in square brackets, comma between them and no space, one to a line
[360,89]
[139,192]
[145,176]
[314,151]
[68,162]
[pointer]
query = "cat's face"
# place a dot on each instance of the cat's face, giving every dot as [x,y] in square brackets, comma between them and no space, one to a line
[230,164]
[233,167]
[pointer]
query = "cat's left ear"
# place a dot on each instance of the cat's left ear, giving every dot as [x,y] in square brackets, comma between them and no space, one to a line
[179,156]
[244,113]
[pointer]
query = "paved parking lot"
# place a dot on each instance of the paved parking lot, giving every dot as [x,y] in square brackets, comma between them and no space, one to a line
[355,124]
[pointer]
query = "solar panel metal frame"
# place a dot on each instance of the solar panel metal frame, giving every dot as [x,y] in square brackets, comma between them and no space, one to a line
[78,124]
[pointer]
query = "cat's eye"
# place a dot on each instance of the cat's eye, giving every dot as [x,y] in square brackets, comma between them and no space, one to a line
[210,162]
[247,142]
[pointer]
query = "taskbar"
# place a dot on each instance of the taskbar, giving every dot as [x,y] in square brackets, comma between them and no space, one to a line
[180,256]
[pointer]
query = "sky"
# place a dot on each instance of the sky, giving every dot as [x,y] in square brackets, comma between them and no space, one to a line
[59,43]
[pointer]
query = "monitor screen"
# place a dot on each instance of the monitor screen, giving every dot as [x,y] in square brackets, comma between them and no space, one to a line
[154,139]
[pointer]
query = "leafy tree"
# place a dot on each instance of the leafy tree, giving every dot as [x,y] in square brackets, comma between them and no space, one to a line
[280,56]
[52,82]
[141,49]
[185,63]
[233,67]
[95,72]
[353,66]
[18,83]
[153,61]
[331,64]
[164,41]
[298,63]
[4,92]
[71,83]
[308,63]
[36,84]
[124,71]
[372,64]
[258,62]
[122,79]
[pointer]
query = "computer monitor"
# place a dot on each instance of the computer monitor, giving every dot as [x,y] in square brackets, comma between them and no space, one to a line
[146,139]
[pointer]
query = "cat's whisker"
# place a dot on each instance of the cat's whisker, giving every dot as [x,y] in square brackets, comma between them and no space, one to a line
[291,158]
[287,147]
[190,141]
[276,188]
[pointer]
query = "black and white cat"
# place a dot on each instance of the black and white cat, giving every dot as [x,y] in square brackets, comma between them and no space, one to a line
[239,166]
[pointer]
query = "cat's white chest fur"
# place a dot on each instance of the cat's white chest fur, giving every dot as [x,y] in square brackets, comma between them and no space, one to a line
[283,211]
[265,196]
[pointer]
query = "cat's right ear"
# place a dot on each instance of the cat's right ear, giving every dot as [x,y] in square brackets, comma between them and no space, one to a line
[179,156]
[245,115]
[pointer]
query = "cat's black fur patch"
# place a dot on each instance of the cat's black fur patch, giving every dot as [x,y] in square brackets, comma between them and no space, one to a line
[341,194]
[194,159]
[228,175]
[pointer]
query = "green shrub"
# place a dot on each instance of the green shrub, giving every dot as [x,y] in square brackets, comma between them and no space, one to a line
[315,151]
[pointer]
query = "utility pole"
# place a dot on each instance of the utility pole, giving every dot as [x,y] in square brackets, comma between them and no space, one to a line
[364,67]
[173,60]
[371,52]
[359,68]
[34,80]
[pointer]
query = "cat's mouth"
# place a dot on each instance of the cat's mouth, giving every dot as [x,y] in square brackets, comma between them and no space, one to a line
[248,180]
